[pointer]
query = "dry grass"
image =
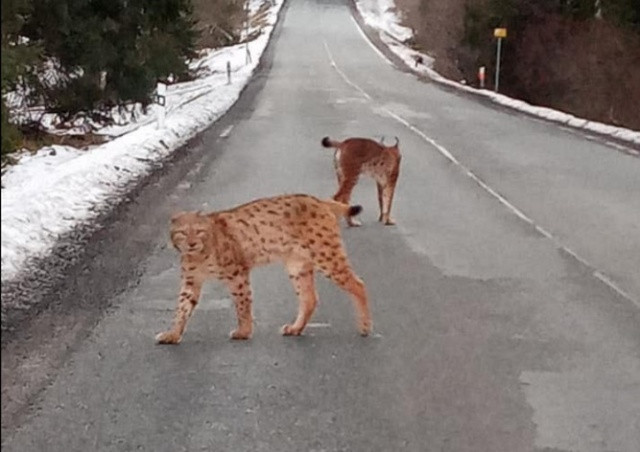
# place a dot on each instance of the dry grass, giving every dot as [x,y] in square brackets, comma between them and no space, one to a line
[33,142]
[438,27]
[219,22]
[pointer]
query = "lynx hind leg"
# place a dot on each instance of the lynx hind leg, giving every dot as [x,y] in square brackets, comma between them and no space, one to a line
[189,297]
[240,289]
[347,183]
[302,279]
[339,271]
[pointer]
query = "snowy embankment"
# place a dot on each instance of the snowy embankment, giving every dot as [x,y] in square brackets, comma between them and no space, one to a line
[51,192]
[382,16]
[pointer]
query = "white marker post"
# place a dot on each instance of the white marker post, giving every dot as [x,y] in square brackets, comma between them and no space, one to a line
[499,33]
[246,33]
[481,76]
[161,91]
[228,73]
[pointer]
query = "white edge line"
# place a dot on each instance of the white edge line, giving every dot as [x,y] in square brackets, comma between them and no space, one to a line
[225,133]
[443,151]
[344,77]
[605,279]
[368,41]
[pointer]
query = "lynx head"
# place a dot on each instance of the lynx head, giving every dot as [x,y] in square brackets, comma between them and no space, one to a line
[191,232]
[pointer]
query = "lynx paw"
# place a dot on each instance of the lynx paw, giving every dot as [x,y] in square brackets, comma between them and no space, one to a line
[364,328]
[390,222]
[168,337]
[290,330]
[238,335]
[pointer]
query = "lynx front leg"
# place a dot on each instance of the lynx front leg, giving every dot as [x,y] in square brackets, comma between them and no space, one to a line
[189,296]
[380,204]
[387,199]
[240,289]
[301,276]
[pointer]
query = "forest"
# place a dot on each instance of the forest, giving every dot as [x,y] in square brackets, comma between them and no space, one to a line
[78,57]
[578,56]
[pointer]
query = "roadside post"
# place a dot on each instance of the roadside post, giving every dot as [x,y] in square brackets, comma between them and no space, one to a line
[481,76]
[161,92]
[228,73]
[246,32]
[499,33]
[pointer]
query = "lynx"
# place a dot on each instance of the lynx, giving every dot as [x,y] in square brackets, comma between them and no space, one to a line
[356,156]
[299,230]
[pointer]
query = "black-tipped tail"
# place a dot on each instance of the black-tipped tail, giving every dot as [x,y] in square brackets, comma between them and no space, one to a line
[329,143]
[354,210]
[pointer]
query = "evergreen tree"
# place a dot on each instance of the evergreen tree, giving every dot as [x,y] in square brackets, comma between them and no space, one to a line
[623,12]
[112,51]
[19,59]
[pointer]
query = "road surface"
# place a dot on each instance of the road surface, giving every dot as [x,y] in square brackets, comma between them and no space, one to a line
[505,302]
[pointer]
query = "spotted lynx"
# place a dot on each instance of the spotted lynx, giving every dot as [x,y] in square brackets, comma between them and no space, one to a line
[356,156]
[299,230]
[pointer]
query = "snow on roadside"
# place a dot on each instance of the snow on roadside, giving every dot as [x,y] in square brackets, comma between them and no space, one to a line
[53,191]
[382,15]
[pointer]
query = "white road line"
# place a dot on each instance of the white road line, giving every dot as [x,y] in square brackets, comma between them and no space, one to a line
[512,208]
[368,41]
[344,77]
[573,254]
[543,232]
[605,279]
[419,132]
[225,133]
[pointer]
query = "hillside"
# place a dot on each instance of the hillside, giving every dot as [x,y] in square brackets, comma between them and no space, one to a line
[554,56]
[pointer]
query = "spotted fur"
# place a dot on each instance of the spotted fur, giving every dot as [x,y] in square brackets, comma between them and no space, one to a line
[356,156]
[299,230]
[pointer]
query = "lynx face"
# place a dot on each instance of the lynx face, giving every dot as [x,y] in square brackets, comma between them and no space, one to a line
[190,232]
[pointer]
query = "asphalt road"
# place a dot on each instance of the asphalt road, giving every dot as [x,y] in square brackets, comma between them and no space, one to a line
[505,302]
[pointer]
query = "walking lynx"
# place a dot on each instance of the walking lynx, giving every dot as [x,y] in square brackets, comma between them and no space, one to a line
[356,156]
[299,230]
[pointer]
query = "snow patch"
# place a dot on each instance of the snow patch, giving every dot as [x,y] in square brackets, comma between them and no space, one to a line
[383,15]
[58,188]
